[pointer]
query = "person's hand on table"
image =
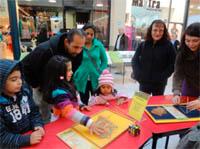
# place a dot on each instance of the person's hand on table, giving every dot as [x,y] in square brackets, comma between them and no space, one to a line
[96,129]
[84,107]
[40,129]
[192,105]
[36,137]
[176,99]
[122,100]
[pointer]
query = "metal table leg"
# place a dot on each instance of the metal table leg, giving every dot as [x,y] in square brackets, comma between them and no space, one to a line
[155,139]
[166,142]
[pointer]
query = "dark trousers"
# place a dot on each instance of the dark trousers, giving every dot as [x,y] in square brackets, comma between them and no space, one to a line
[154,89]
[85,96]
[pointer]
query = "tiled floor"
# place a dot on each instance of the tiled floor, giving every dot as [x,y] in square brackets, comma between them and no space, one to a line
[128,88]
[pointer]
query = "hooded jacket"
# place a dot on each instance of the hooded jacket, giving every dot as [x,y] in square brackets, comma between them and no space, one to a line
[34,63]
[18,114]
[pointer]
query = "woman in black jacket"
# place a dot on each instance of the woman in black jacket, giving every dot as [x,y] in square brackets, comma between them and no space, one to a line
[153,62]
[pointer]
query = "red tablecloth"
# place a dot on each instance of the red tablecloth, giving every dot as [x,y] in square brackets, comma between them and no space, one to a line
[125,140]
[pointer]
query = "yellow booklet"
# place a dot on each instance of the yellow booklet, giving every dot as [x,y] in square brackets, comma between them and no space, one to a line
[82,137]
[138,105]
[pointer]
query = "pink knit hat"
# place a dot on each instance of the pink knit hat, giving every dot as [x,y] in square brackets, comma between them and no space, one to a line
[106,78]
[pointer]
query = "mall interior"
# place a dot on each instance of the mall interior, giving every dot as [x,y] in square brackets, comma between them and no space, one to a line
[21,20]
[27,16]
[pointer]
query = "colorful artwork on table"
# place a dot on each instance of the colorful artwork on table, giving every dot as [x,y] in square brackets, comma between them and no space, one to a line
[172,113]
[107,119]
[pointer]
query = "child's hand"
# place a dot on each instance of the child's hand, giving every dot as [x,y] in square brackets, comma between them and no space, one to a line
[193,104]
[97,129]
[87,108]
[35,137]
[121,100]
[40,129]
[103,102]
[176,99]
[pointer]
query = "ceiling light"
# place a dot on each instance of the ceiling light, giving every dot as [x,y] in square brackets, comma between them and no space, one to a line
[52,1]
[99,5]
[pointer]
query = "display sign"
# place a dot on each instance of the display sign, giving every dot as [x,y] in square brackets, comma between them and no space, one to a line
[138,105]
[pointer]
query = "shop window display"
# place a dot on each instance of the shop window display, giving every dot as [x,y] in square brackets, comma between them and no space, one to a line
[175,29]
[100,18]
[145,11]
[56,24]
[5,36]
[26,27]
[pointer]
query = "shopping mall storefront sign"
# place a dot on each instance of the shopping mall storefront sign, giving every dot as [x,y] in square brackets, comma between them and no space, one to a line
[149,3]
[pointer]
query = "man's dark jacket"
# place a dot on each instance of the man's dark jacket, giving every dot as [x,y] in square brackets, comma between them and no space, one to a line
[34,63]
[123,46]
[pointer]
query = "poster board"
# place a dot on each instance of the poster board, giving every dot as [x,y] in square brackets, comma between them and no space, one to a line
[174,114]
[90,140]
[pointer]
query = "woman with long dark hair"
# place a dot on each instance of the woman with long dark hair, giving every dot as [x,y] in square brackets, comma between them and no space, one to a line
[93,63]
[186,79]
[60,92]
[153,62]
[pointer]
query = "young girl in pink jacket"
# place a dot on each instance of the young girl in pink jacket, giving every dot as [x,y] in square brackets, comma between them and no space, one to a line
[106,91]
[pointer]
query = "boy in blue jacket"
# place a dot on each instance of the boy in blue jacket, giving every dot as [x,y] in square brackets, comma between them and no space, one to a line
[18,112]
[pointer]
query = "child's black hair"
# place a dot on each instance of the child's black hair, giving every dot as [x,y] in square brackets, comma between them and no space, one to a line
[16,68]
[98,92]
[55,77]
[192,30]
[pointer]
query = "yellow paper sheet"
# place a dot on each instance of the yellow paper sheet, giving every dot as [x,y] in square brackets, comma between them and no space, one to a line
[121,122]
[75,140]
[138,105]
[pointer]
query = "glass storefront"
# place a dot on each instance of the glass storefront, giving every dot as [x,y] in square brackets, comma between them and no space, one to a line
[100,17]
[143,12]
[35,20]
[5,36]
[194,11]
[37,14]
[72,14]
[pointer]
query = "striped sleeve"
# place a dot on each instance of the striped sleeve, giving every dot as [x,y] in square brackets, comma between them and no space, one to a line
[79,117]
[61,98]
[64,107]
